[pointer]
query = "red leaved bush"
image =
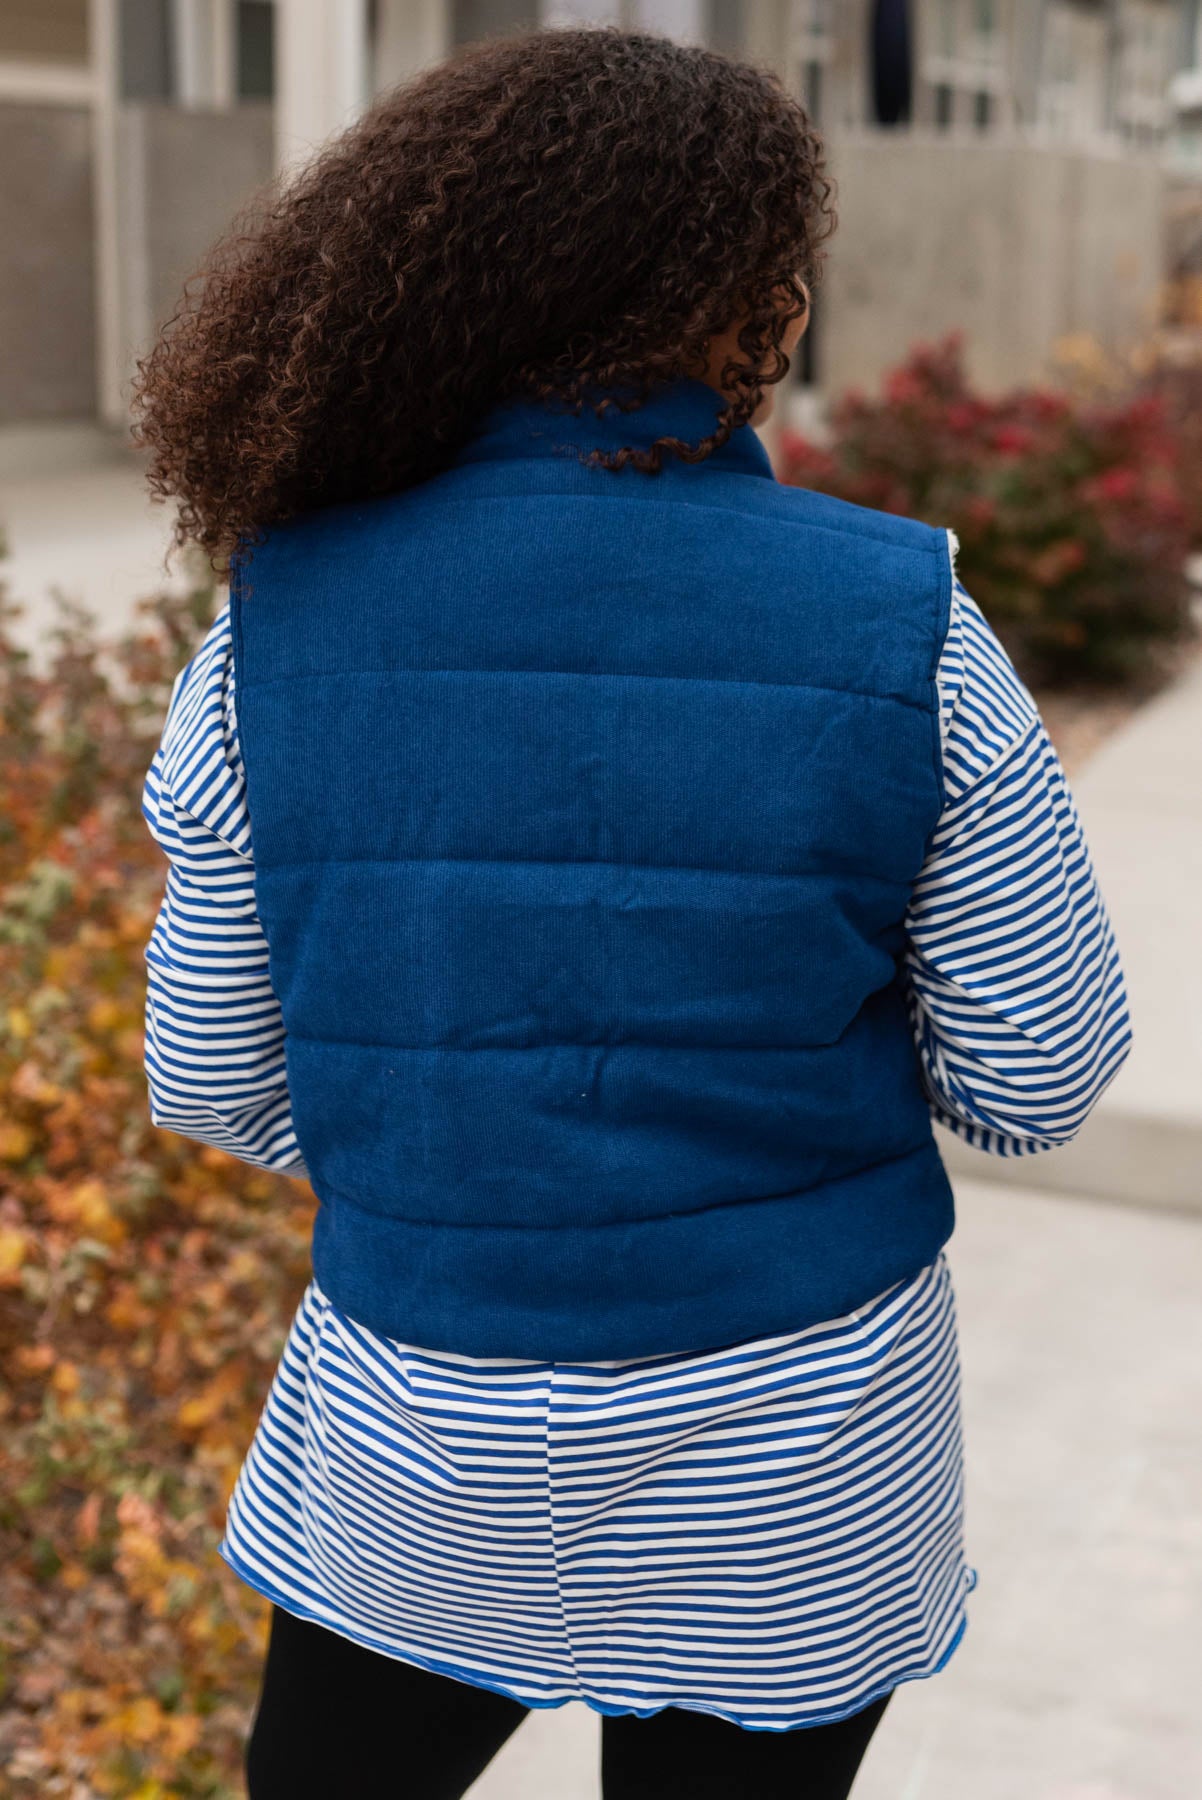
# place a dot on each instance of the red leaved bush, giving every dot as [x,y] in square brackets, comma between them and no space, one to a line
[1071,517]
[1171,371]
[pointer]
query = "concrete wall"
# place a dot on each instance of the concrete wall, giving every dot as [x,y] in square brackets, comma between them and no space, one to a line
[1015,244]
[182,176]
[47,324]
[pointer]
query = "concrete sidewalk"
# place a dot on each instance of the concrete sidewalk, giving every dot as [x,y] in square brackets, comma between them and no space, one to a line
[1079,1675]
[75,515]
[1140,801]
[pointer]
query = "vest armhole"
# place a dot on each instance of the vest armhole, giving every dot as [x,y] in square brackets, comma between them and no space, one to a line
[943,613]
[237,597]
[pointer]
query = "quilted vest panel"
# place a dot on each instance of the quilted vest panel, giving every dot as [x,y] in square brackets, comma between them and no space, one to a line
[586,809]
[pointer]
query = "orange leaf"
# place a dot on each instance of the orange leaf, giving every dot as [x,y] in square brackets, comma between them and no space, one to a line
[16,1141]
[87,1521]
[14,1247]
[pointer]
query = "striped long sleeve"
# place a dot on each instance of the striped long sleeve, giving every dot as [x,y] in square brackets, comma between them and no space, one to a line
[214,1034]
[1012,976]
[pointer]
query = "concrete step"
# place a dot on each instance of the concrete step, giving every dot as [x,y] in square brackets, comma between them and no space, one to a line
[1136,1159]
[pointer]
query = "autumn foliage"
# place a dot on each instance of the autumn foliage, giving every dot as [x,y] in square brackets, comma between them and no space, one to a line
[146,1284]
[1073,515]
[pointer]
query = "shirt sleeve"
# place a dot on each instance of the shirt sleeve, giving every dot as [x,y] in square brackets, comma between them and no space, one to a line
[1012,975]
[214,1032]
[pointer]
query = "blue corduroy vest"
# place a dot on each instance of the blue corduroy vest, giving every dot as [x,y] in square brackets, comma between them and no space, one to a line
[586,809]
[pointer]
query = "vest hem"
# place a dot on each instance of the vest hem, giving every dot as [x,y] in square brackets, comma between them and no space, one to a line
[641,1287]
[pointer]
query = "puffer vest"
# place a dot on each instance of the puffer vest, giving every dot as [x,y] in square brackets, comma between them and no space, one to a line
[586,809]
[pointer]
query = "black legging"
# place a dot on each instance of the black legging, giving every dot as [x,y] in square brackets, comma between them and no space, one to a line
[337,1722]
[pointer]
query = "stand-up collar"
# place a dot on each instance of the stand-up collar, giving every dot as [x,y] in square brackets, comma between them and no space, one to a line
[683,408]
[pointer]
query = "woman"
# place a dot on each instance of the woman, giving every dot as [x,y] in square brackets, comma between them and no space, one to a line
[643,853]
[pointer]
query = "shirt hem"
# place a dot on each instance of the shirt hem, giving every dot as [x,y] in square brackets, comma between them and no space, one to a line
[605,1708]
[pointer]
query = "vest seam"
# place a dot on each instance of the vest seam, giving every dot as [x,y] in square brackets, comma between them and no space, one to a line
[237,647]
[302,1037]
[734,681]
[581,862]
[930,544]
[688,1212]
[943,603]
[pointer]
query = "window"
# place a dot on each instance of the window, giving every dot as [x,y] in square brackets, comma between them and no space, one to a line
[1072,83]
[254,38]
[726,25]
[473,19]
[145,49]
[812,73]
[963,63]
[1145,66]
[892,74]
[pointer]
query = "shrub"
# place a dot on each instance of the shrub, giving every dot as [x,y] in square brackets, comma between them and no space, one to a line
[146,1284]
[1170,368]
[1072,526]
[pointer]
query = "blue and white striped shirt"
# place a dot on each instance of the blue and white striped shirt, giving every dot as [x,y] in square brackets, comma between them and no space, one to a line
[771,1532]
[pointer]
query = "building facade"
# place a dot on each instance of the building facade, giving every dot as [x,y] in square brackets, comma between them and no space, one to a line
[1005,166]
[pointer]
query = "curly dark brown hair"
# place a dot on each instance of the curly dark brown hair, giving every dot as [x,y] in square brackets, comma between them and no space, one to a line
[557,214]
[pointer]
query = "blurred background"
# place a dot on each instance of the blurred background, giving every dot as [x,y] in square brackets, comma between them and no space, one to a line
[1026,171]
[1007,341]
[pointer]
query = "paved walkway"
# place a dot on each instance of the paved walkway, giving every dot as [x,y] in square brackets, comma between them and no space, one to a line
[74,515]
[1079,1675]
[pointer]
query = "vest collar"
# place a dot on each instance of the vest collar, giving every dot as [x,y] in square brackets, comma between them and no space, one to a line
[684,408]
